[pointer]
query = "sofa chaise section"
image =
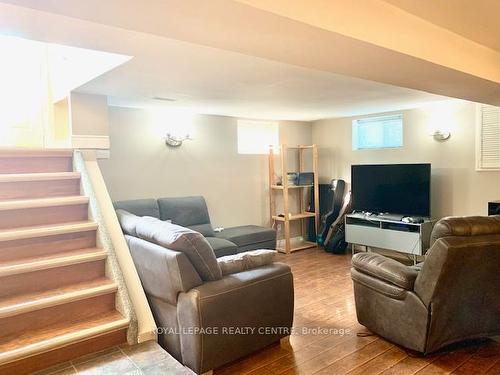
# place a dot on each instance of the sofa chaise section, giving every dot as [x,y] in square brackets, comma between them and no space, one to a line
[249,237]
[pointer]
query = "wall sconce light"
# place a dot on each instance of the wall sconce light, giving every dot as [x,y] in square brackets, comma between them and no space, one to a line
[173,125]
[176,141]
[442,118]
[441,135]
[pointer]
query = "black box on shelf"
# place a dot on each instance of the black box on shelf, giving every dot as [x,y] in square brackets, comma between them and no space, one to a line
[305,178]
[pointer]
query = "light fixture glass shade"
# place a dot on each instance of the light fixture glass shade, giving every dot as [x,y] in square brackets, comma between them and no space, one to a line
[175,141]
[441,135]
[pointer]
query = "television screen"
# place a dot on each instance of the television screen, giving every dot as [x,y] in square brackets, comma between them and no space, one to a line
[392,188]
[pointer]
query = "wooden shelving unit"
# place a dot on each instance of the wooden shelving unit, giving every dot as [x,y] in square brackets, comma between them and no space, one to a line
[286,216]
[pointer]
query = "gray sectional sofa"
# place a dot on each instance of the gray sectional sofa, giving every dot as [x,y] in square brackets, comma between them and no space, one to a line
[209,311]
[192,212]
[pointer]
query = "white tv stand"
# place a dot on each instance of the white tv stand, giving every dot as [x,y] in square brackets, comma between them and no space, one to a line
[377,231]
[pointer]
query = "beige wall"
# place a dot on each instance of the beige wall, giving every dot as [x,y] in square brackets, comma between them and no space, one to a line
[59,133]
[457,188]
[89,114]
[235,186]
[89,121]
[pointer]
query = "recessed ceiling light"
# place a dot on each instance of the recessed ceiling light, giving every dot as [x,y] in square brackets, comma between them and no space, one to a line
[164,99]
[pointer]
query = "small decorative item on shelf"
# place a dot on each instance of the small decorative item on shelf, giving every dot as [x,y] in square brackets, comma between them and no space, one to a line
[278,179]
[292,178]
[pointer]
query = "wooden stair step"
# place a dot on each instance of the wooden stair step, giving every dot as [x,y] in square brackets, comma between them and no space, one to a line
[36,301]
[19,152]
[33,342]
[43,273]
[51,261]
[39,185]
[84,307]
[20,204]
[72,237]
[18,160]
[46,230]
[54,176]
[41,211]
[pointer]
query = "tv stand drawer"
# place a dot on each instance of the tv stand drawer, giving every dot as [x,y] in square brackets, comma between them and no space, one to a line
[405,242]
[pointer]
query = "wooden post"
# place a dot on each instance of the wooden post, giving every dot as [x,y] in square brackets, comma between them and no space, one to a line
[272,199]
[316,187]
[301,192]
[286,208]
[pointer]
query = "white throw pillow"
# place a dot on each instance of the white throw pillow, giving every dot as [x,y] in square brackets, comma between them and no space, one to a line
[245,261]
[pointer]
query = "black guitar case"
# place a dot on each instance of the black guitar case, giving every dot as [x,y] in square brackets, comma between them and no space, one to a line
[337,244]
[335,241]
[325,205]
[338,191]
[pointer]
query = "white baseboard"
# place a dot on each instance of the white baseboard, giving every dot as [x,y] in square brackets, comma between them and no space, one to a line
[95,142]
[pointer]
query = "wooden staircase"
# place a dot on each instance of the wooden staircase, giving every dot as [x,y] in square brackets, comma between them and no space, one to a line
[55,300]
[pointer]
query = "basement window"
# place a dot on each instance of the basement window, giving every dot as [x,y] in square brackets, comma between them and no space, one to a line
[377,132]
[255,137]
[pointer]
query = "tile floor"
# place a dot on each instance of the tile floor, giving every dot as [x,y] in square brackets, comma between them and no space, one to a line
[147,358]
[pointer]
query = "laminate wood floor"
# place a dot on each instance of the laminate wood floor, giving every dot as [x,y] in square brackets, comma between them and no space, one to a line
[324,299]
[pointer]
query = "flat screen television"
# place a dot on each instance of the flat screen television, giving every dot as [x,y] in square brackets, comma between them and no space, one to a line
[392,188]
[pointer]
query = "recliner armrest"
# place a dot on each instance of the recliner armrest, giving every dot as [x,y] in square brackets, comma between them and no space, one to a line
[257,302]
[385,269]
[164,273]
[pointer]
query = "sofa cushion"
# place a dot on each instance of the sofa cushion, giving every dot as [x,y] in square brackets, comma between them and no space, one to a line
[128,222]
[222,247]
[245,261]
[190,212]
[185,240]
[205,229]
[248,234]
[139,207]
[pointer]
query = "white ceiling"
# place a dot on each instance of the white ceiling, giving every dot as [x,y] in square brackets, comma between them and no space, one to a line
[213,81]
[210,80]
[477,20]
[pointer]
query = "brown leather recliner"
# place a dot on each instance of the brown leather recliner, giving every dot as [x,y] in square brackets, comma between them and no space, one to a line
[455,295]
